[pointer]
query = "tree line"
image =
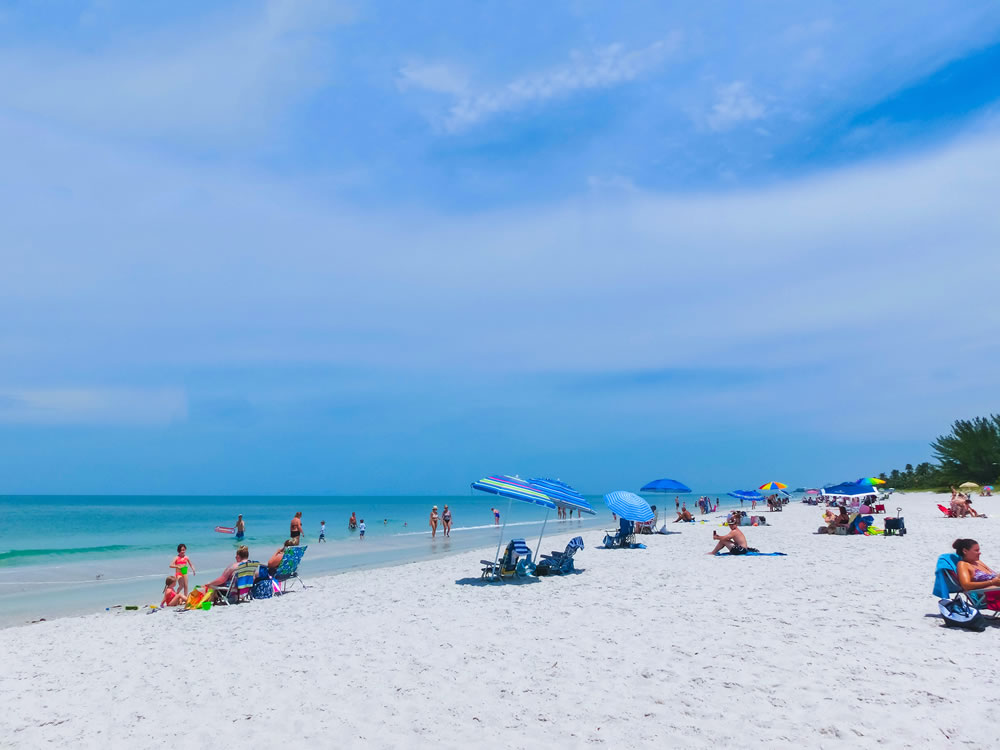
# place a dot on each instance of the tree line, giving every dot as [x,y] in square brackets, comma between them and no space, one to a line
[969,453]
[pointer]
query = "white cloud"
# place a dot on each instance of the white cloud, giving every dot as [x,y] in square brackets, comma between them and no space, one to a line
[74,405]
[437,77]
[734,105]
[605,68]
[229,78]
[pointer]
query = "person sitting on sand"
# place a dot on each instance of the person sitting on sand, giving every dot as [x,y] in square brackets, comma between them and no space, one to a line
[171,597]
[974,574]
[275,561]
[684,515]
[734,541]
[242,555]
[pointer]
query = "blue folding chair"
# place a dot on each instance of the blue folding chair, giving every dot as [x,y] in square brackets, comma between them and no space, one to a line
[516,561]
[624,538]
[560,562]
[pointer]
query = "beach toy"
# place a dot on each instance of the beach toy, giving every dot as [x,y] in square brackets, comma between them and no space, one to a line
[131,606]
[207,605]
[225,529]
[184,570]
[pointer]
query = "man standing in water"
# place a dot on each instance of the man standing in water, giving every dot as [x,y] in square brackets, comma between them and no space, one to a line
[240,528]
[296,529]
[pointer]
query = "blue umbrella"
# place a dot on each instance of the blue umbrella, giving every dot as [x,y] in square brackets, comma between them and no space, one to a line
[849,489]
[665,485]
[513,488]
[746,495]
[563,496]
[629,506]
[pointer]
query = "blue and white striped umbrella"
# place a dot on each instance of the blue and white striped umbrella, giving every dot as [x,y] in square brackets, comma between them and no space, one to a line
[563,495]
[629,506]
[514,488]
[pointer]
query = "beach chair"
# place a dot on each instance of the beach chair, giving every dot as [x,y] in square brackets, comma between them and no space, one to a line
[288,569]
[560,562]
[948,512]
[879,508]
[516,561]
[958,607]
[237,589]
[623,537]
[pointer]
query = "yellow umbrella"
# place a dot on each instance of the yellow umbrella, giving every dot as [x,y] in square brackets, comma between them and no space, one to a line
[968,486]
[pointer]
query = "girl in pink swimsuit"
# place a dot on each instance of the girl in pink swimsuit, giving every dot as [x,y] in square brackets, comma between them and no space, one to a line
[182,568]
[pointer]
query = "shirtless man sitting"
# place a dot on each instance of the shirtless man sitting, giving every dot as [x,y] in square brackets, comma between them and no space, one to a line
[684,515]
[734,541]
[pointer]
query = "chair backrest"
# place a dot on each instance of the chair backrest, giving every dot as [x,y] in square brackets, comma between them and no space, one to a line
[625,527]
[290,561]
[574,544]
[244,578]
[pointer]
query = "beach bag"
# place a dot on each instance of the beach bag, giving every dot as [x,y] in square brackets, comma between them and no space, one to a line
[959,613]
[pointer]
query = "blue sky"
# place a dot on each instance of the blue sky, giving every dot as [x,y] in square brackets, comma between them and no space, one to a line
[381,247]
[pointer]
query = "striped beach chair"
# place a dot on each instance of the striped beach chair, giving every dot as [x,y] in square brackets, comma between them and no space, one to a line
[288,569]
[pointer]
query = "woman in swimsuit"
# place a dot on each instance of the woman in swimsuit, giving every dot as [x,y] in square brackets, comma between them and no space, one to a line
[974,574]
[446,521]
[434,521]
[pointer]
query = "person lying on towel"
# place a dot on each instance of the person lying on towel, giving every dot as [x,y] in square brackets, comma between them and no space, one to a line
[734,541]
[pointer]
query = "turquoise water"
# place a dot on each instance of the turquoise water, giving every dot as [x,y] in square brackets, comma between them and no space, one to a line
[74,554]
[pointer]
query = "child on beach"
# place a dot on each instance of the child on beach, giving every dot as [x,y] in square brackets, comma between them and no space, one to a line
[170,597]
[182,567]
[361,529]
[322,531]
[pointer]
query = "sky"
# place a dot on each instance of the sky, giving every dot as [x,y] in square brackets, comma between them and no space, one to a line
[373,247]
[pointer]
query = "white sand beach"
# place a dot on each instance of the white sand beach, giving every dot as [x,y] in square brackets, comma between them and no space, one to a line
[831,646]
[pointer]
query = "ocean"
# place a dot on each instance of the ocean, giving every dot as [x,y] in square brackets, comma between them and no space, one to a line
[64,555]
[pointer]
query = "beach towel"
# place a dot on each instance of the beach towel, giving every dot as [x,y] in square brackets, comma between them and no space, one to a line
[752,553]
[945,584]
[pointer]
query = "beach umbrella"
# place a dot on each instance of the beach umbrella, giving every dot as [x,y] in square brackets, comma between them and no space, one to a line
[513,488]
[812,492]
[871,481]
[629,506]
[773,486]
[848,489]
[563,496]
[665,485]
[746,495]
[968,486]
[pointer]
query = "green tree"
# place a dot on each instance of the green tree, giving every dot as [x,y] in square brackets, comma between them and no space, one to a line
[971,451]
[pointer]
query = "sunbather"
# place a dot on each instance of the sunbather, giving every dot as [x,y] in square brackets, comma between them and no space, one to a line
[734,541]
[684,515]
[974,574]
[275,561]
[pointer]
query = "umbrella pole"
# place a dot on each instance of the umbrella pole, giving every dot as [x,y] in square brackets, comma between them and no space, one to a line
[538,549]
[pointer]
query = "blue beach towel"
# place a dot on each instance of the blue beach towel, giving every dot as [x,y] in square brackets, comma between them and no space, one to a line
[752,554]
[945,584]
